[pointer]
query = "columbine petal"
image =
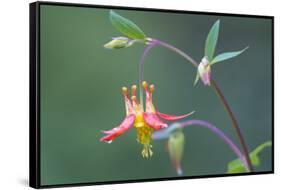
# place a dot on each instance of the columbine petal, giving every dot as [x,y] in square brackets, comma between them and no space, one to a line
[153,121]
[173,117]
[128,103]
[148,92]
[117,131]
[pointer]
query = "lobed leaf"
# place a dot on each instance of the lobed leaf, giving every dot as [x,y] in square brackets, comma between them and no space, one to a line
[236,166]
[126,26]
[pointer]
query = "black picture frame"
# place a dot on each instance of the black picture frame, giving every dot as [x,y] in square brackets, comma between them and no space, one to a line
[34,98]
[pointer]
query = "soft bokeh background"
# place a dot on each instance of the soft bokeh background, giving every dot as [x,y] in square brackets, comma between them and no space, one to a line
[80,93]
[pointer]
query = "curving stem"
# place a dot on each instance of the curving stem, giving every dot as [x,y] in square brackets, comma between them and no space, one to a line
[164,134]
[141,68]
[218,132]
[234,122]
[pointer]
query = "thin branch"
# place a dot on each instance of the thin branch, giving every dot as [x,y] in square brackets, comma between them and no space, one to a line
[141,69]
[164,134]
[233,121]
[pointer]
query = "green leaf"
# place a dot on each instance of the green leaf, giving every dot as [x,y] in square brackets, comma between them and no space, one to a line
[227,55]
[261,147]
[211,40]
[236,166]
[126,26]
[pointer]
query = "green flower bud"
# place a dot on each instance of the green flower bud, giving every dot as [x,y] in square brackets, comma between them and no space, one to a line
[176,148]
[119,42]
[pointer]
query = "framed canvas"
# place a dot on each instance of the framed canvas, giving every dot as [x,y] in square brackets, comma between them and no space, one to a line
[120,94]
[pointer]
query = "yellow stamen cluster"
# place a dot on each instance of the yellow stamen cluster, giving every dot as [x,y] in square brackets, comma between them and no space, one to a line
[144,137]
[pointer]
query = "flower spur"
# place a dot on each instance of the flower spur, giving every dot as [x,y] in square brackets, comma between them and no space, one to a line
[145,122]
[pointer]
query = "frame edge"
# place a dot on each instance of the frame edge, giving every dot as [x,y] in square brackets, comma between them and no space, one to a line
[34,90]
[34,160]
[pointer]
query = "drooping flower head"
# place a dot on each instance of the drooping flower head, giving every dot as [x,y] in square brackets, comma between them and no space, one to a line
[204,71]
[145,121]
[204,67]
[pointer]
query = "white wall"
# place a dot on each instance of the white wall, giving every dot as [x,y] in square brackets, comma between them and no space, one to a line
[14,92]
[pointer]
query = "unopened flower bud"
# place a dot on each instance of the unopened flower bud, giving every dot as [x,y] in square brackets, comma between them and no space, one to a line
[204,71]
[119,42]
[176,149]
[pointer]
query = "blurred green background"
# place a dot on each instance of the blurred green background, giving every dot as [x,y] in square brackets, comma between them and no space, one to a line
[81,93]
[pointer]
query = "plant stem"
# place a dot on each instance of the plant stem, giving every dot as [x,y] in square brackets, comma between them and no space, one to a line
[165,134]
[141,68]
[219,133]
[233,121]
[178,51]
[218,92]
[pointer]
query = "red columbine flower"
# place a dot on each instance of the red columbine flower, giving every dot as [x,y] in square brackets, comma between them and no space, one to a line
[145,122]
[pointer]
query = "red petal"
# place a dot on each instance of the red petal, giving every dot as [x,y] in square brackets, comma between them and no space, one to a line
[173,117]
[126,124]
[153,121]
